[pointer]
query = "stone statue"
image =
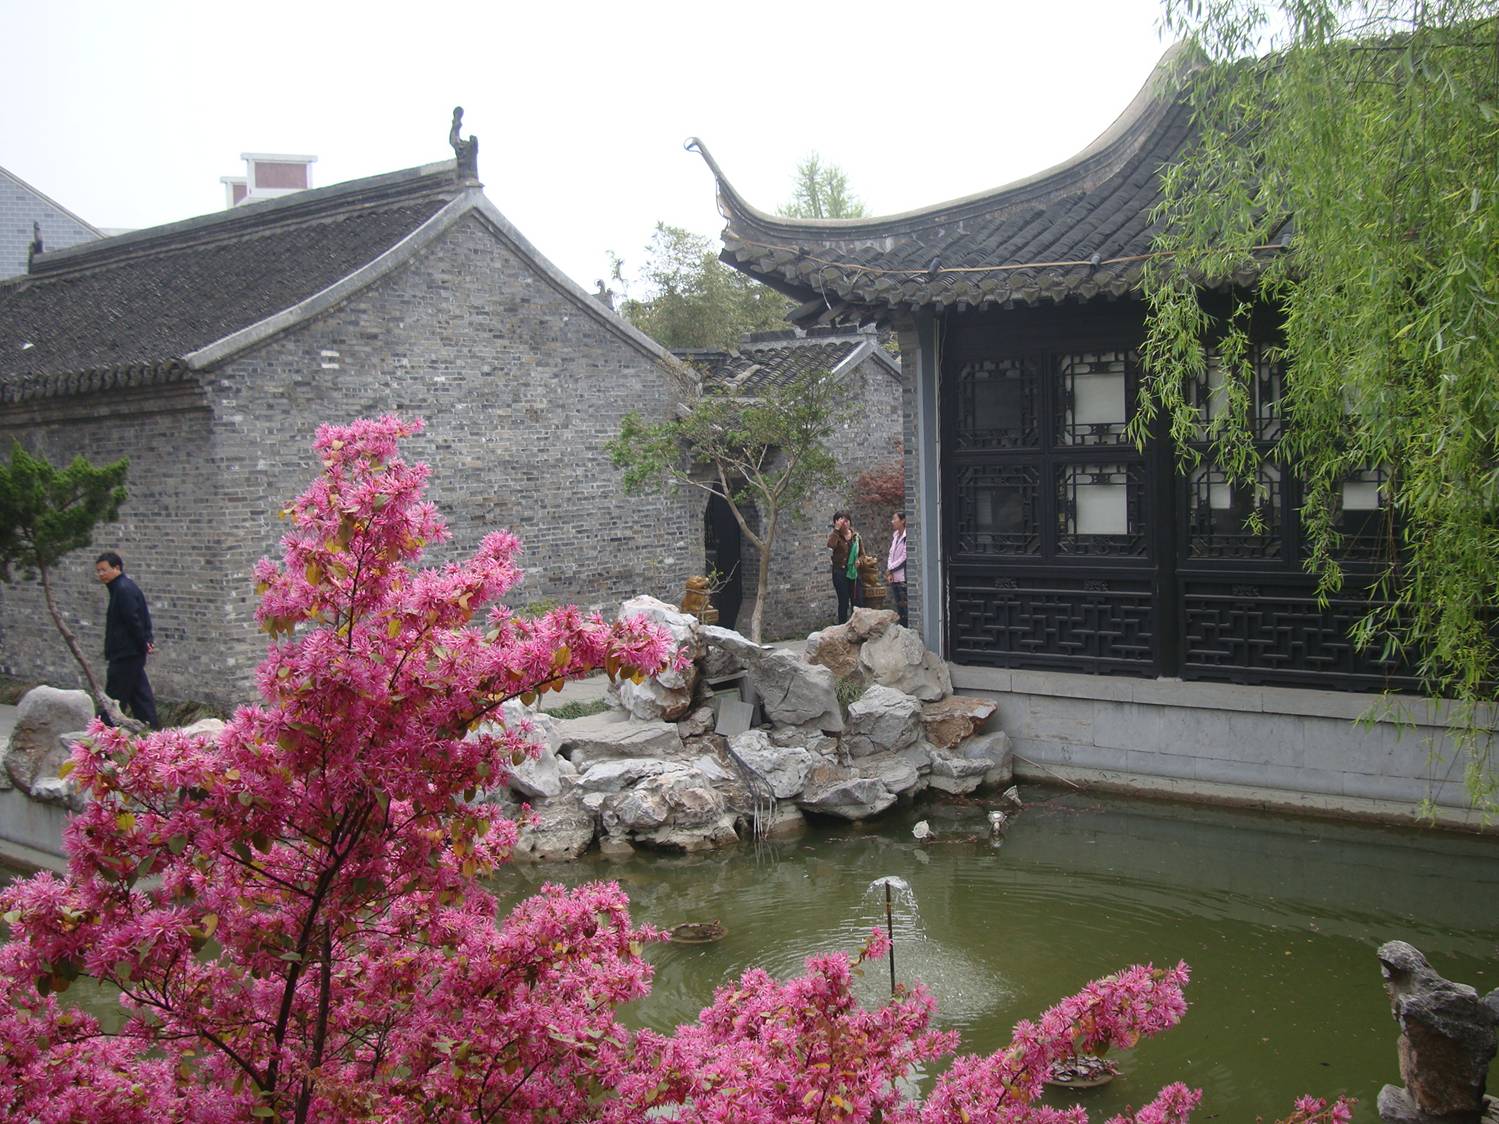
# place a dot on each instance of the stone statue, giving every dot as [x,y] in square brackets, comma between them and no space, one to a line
[1446,1044]
[467,151]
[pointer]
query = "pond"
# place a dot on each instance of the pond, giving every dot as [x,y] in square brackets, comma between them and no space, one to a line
[1279,918]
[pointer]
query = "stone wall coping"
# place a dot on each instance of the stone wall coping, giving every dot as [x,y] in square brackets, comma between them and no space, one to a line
[1387,708]
[1400,813]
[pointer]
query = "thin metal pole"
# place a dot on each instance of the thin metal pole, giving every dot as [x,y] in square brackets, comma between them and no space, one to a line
[890,930]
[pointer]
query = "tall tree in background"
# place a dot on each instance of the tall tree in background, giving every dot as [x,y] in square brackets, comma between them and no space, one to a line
[696,300]
[761,454]
[46,513]
[821,191]
[1374,128]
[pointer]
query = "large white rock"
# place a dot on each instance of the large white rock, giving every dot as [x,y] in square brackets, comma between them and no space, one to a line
[837,647]
[783,767]
[956,774]
[677,809]
[882,720]
[896,771]
[611,736]
[560,829]
[667,695]
[37,748]
[994,750]
[543,776]
[793,693]
[898,659]
[616,776]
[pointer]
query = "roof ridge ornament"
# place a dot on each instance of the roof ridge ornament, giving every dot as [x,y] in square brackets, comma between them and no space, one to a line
[467,151]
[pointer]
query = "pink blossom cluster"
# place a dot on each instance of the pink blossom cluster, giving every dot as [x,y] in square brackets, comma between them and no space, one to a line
[293,917]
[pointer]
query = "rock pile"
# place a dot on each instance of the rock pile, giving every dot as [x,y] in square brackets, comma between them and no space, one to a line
[652,771]
[655,772]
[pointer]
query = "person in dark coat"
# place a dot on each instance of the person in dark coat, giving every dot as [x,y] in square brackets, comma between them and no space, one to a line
[128,640]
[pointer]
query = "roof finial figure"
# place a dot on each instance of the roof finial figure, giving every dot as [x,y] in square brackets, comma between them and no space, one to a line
[36,243]
[467,151]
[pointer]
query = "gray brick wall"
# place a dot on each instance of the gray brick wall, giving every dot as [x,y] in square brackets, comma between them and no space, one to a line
[20,206]
[520,389]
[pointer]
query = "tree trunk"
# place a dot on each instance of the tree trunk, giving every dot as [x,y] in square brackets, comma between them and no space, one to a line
[105,703]
[762,588]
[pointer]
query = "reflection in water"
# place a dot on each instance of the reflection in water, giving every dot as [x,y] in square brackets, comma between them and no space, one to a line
[1278,917]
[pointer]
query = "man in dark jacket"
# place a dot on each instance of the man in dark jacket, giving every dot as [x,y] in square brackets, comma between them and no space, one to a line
[127,640]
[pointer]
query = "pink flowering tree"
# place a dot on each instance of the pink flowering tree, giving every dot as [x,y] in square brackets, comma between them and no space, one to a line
[292,915]
[291,910]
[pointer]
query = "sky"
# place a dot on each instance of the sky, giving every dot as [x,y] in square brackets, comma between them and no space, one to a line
[128,113]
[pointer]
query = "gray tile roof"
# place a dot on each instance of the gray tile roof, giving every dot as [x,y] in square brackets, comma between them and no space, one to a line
[769,359]
[1079,230]
[143,301]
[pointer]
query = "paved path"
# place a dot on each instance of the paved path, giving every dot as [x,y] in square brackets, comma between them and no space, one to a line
[581,690]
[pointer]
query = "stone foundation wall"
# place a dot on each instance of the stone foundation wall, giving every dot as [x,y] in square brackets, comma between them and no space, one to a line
[1262,746]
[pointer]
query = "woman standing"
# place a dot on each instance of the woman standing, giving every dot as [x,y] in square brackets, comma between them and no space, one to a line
[844,543]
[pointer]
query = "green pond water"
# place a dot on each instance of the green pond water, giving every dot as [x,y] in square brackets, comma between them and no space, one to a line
[1278,917]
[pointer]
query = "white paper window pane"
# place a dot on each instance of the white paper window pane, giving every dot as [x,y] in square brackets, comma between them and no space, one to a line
[1360,495]
[1102,509]
[1220,496]
[1098,398]
[1217,394]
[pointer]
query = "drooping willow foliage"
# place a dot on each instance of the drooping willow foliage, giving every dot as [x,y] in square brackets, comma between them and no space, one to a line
[1365,136]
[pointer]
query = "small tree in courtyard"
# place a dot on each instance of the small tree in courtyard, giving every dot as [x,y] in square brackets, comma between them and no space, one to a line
[768,452]
[46,513]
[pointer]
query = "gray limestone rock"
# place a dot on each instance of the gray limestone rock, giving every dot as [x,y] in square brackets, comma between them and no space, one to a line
[898,659]
[616,776]
[993,748]
[793,693]
[611,736]
[855,798]
[739,647]
[677,809]
[837,648]
[1447,1039]
[956,774]
[881,720]
[809,738]
[895,771]
[561,829]
[543,776]
[668,694]
[783,767]
[36,748]
[948,721]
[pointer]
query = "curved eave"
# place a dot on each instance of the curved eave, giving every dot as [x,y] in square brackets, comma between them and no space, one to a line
[1128,130]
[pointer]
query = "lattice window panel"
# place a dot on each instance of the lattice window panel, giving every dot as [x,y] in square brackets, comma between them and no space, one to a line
[993,621]
[1208,393]
[1094,392]
[1101,510]
[1218,514]
[997,509]
[999,404]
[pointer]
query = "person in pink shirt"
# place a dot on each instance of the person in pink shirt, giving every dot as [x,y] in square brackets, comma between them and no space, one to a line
[895,565]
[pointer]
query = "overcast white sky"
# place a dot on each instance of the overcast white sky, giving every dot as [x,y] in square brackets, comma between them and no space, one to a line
[128,113]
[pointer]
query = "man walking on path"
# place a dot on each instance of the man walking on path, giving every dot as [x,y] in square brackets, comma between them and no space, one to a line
[895,565]
[127,641]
